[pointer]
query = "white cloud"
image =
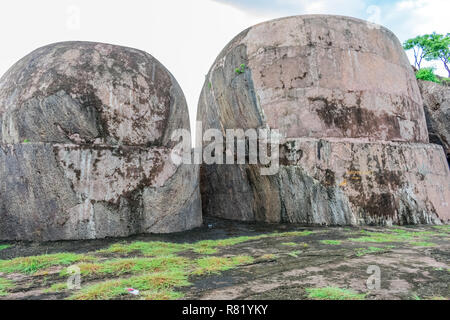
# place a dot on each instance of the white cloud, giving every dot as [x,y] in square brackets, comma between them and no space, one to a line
[186,36]
[409,18]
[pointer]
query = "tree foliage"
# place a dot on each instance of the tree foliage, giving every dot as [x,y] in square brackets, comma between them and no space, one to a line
[419,47]
[430,47]
[438,48]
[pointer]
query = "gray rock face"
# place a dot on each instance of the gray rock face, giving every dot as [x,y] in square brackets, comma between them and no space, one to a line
[436,100]
[96,120]
[315,76]
[335,182]
[343,96]
[73,92]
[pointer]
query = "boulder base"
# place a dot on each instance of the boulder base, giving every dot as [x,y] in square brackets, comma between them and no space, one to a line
[85,144]
[346,103]
[436,102]
[67,191]
[330,182]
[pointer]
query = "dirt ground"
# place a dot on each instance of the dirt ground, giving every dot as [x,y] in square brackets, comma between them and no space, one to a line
[396,263]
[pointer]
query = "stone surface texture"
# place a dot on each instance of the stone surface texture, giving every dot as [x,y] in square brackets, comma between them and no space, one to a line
[354,136]
[85,146]
[436,101]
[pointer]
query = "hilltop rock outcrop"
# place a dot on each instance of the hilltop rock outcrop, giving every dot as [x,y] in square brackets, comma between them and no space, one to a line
[436,101]
[85,146]
[354,146]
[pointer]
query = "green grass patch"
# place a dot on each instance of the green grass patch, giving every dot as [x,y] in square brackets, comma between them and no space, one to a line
[5,285]
[210,246]
[90,264]
[394,235]
[423,244]
[151,248]
[210,265]
[57,287]
[291,244]
[414,296]
[157,248]
[132,265]
[333,293]
[294,254]
[4,246]
[444,228]
[159,276]
[153,285]
[30,265]
[332,242]
[268,256]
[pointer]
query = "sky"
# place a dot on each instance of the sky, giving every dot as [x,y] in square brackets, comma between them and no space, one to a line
[187,35]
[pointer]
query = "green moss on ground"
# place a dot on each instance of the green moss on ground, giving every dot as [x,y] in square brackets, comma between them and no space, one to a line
[333,293]
[158,285]
[4,246]
[210,265]
[5,285]
[415,238]
[332,242]
[30,265]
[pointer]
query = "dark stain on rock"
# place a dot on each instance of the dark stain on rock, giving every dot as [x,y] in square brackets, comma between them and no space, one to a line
[376,205]
[389,178]
[319,147]
[329,179]
[354,121]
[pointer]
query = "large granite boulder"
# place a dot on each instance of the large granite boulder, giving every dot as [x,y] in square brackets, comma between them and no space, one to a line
[354,141]
[436,101]
[85,146]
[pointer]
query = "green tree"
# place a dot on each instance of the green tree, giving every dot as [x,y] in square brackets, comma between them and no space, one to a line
[437,47]
[419,45]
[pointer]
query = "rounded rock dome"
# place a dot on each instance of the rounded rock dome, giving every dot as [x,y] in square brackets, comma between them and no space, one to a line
[86,149]
[84,92]
[354,143]
[316,76]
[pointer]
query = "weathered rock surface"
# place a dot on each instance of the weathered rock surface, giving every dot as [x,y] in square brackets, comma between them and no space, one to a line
[98,119]
[315,76]
[74,92]
[347,104]
[436,100]
[335,182]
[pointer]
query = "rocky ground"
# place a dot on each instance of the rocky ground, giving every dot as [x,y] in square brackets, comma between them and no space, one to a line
[230,260]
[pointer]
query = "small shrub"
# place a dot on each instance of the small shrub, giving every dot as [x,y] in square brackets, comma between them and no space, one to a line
[241,69]
[427,74]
